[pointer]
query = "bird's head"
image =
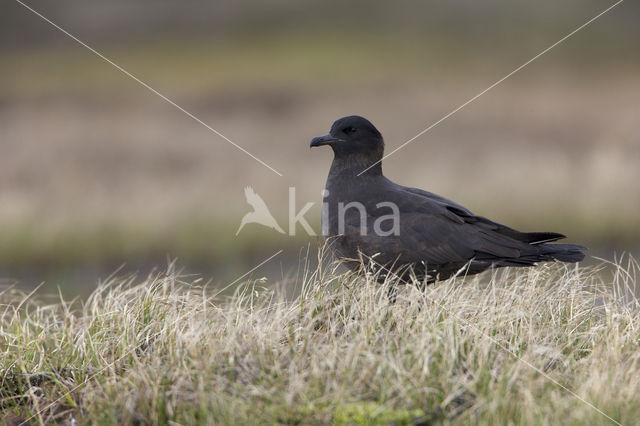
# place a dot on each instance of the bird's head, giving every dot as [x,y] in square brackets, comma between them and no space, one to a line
[353,137]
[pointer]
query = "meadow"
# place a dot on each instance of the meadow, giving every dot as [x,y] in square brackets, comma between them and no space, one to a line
[549,345]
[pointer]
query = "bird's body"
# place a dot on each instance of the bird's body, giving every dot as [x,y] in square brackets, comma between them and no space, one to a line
[369,218]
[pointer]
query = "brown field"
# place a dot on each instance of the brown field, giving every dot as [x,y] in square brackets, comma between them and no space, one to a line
[97,170]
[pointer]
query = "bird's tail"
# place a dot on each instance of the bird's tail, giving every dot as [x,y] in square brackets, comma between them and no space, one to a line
[564,252]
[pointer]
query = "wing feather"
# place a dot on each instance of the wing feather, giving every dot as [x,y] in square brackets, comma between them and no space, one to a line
[254,200]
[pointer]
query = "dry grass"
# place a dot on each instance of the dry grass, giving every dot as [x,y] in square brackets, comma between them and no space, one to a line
[168,350]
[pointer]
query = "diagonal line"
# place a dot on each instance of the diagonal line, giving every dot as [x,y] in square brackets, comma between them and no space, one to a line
[142,83]
[528,364]
[494,84]
[248,272]
[111,364]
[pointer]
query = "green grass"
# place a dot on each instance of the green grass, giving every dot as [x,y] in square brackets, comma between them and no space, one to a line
[191,66]
[496,349]
[315,60]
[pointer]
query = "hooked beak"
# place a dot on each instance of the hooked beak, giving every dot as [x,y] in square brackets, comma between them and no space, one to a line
[323,140]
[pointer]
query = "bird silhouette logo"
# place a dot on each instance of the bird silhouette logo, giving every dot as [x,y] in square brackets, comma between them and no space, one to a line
[260,213]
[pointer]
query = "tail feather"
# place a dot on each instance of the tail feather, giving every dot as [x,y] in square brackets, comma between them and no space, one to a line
[540,237]
[564,252]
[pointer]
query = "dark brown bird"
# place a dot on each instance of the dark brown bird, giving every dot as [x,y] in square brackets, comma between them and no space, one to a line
[400,229]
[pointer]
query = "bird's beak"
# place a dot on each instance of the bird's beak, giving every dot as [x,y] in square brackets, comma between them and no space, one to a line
[323,140]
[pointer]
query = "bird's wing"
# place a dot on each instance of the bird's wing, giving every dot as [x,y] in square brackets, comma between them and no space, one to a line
[254,199]
[482,222]
[436,231]
[435,198]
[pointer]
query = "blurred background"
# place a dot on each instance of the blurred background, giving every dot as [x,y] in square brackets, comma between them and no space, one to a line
[97,172]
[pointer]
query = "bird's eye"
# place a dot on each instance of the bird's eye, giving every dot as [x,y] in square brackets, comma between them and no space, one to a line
[348,130]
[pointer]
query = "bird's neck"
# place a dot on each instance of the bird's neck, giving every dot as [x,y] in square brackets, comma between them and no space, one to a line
[356,165]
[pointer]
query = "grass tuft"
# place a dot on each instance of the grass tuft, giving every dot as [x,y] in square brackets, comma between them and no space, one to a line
[545,345]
